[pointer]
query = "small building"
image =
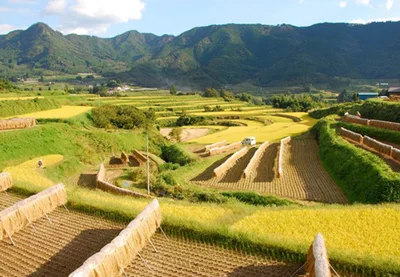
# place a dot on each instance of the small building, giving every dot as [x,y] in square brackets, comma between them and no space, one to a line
[394,92]
[367,95]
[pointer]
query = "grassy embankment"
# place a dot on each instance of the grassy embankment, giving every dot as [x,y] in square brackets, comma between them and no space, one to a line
[363,176]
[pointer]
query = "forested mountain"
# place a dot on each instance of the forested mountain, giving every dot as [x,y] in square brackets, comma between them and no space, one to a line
[214,55]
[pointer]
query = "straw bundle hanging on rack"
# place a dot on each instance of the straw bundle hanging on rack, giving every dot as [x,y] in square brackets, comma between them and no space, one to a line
[280,155]
[317,264]
[215,145]
[18,216]
[385,125]
[117,255]
[255,160]
[379,147]
[5,181]
[224,149]
[17,123]
[139,157]
[356,120]
[229,163]
[351,135]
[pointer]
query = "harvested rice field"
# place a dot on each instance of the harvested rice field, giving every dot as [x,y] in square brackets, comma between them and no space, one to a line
[59,248]
[304,177]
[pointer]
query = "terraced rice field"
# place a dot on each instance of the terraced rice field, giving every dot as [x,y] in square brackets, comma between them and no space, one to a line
[59,248]
[20,98]
[239,113]
[271,133]
[304,177]
[63,113]
[355,233]
[30,172]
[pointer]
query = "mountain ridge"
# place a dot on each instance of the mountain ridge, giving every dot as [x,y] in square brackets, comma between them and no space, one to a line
[215,55]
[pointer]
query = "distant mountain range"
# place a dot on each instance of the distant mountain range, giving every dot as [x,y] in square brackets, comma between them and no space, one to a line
[216,55]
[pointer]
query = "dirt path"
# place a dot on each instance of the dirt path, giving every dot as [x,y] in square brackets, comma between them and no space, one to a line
[304,177]
[56,250]
[187,134]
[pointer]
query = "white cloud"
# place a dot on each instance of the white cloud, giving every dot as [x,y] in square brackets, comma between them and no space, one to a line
[389,4]
[366,21]
[4,9]
[6,28]
[23,1]
[343,4]
[55,7]
[364,2]
[93,16]
[301,1]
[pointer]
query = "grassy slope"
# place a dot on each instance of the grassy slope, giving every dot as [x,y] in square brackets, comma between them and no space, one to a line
[76,145]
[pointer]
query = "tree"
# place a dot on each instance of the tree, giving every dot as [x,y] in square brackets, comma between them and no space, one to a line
[355,97]
[176,134]
[226,94]
[173,90]
[89,78]
[112,84]
[211,92]
[346,96]
[79,78]
[246,97]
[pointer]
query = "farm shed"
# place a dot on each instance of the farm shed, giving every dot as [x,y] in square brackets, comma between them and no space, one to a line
[394,92]
[367,95]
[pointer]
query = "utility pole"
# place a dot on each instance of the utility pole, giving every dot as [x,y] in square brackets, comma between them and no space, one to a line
[148,162]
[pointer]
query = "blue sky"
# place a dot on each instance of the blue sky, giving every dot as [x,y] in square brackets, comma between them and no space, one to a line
[107,18]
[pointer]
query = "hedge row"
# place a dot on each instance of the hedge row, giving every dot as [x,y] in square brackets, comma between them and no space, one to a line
[388,111]
[363,176]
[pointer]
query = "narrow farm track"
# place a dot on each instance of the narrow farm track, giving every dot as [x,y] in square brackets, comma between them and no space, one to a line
[304,177]
[56,250]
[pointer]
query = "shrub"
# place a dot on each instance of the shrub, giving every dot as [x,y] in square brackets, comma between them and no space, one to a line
[372,110]
[125,117]
[176,134]
[175,154]
[168,166]
[168,179]
[208,197]
[188,120]
[257,199]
